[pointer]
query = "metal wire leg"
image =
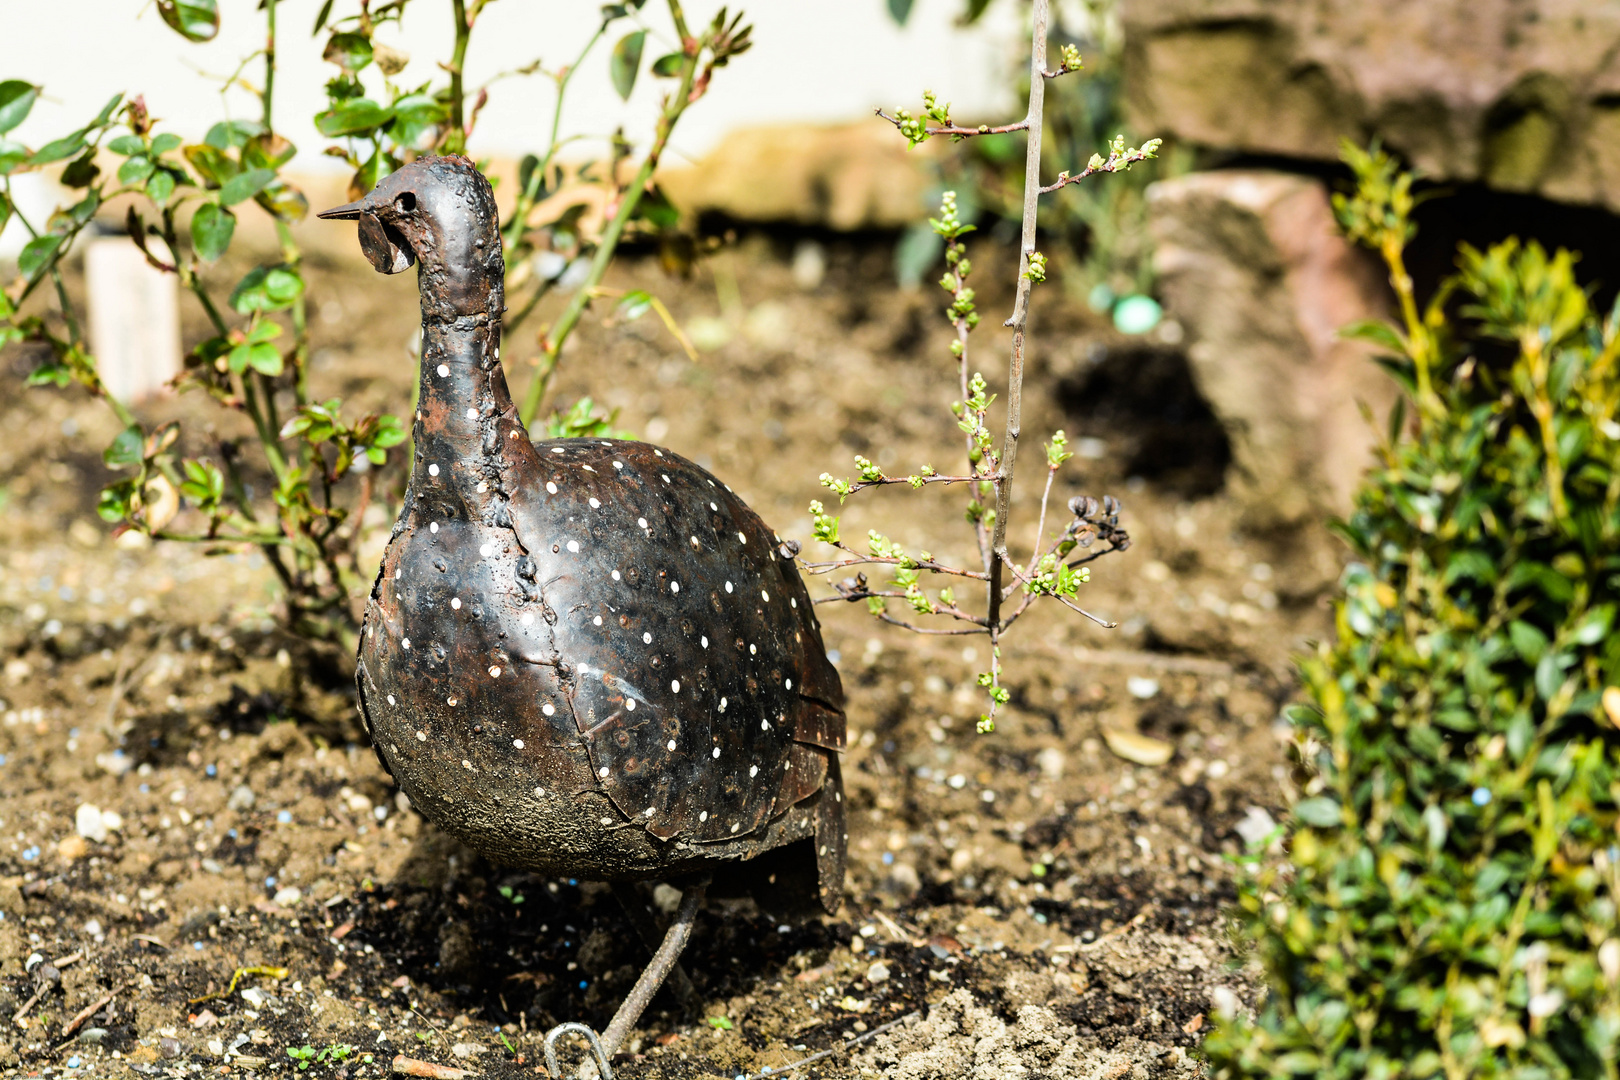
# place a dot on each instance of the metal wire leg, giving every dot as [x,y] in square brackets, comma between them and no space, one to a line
[603,1068]
[653,977]
[635,909]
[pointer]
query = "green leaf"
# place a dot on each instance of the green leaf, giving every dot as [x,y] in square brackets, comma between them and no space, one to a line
[212,164]
[212,227]
[900,11]
[656,208]
[16,100]
[971,10]
[1320,812]
[1376,332]
[244,186]
[352,117]
[267,288]
[321,17]
[350,51]
[81,171]
[127,145]
[634,305]
[125,449]
[626,62]
[416,114]
[194,20]
[1528,641]
[57,150]
[267,151]
[1595,626]
[229,134]
[12,154]
[38,255]
[283,200]
[135,170]
[668,66]
[162,144]
[162,183]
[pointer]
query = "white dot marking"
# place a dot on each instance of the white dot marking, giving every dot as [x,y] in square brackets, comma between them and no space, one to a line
[674,586]
[549,709]
[455,602]
[433,470]
[421,736]
[728,586]
[597,621]
[595,505]
[630,704]
[573,546]
[674,686]
[670,745]
[433,527]
[518,743]
[494,672]
[602,772]
[551,488]
[472,413]
[615,575]
[646,638]
[444,369]
[642,522]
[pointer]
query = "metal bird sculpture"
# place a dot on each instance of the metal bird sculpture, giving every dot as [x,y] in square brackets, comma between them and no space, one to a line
[582,657]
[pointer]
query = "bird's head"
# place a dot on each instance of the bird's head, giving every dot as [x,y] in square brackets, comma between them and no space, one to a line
[438,212]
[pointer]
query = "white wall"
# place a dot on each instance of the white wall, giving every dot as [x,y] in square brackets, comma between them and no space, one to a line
[814,61]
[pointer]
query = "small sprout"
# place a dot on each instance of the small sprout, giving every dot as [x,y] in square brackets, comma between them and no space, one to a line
[986,678]
[947,597]
[1057,451]
[824,526]
[875,605]
[870,473]
[915,481]
[1038,870]
[986,725]
[1071,59]
[882,546]
[842,488]
[1037,268]
[720,1023]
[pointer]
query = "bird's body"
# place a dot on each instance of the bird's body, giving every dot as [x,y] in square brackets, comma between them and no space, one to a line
[581,656]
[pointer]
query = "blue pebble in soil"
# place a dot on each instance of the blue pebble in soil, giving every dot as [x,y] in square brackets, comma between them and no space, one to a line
[146,789]
[231,833]
[1481,796]
[583,984]
[211,771]
[73,1062]
[30,854]
[285,817]
[270,882]
[197,945]
[888,858]
[2,759]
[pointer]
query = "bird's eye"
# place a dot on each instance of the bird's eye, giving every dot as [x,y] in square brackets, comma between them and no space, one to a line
[405,203]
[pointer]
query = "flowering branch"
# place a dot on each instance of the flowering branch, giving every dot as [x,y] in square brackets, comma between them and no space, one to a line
[1050,571]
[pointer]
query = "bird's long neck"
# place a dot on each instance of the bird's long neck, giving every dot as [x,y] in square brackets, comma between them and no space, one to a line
[467,434]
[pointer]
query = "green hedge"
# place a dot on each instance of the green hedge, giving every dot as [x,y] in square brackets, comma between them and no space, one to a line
[1447,905]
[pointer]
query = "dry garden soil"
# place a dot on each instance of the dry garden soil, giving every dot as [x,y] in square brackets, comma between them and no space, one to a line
[185,791]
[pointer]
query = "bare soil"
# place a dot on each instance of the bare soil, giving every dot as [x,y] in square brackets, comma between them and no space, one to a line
[1030,903]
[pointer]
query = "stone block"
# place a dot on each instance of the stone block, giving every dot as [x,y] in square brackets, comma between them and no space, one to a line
[1253,267]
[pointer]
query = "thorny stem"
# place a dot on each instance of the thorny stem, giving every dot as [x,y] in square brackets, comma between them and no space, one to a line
[674,105]
[531,191]
[456,138]
[269,62]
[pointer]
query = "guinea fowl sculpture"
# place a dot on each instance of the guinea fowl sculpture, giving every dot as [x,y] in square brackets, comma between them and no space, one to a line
[583,657]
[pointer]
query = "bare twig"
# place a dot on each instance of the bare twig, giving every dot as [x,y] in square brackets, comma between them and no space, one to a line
[87,1012]
[407,1066]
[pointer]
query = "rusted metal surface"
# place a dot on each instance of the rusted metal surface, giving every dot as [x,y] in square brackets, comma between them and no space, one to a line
[582,656]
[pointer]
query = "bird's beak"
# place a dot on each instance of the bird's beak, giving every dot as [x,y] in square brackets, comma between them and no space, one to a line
[346,212]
